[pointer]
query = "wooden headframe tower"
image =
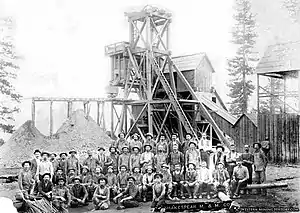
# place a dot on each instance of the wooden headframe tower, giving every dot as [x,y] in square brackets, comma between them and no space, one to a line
[143,68]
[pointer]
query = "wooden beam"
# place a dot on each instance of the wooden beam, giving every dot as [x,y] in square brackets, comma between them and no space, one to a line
[69,110]
[164,120]
[98,113]
[51,118]
[112,119]
[258,109]
[135,120]
[266,185]
[33,112]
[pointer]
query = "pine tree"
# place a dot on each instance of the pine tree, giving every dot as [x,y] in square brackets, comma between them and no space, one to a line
[8,67]
[241,66]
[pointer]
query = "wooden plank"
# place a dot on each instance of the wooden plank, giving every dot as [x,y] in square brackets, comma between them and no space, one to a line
[274,148]
[33,112]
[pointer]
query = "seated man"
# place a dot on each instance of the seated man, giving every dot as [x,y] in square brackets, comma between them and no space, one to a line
[178,180]
[101,195]
[240,177]
[85,175]
[26,179]
[90,188]
[147,182]
[191,181]
[138,179]
[45,186]
[111,181]
[204,180]
[57,175]
[122,178]
[71,175]
[78,193]
[221,178]
[98,174]
[159,191]
[127,199]
[167,180]
[61,196]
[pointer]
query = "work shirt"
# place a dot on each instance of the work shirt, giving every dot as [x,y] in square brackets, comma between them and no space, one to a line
[62,163]
[70,179]
[25,180]
[165,146]
[91,163]
[232,156]
[240,172]
[138,178]
[185,146]
[177,176]
[152,143]
[101,160]
[204,157]
[147,159]
[44,187]
[204,175]
[176,158]
[131,190]
[135,143]
[167,177]
[56,176]
[159,159]
[171,144]
[260,160]
[148,179]
[192,156]
[122,179]
[85,178]
[45,167]
[120,143]
[78,191]
[112,160]
[96,177]
[62,192]
[124,160]
[73,163]
[191,176]
[55,164]
[111,179]
[159,190]
[134,161]
[103,192]
[247,157]
[219,157]
[34,164]
[220,176]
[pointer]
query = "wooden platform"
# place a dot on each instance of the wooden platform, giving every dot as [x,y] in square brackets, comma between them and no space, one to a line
[193,205]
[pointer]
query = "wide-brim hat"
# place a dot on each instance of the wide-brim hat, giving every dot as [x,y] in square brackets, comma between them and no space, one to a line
[71,169]
[259,144]
[45,153]
[165,166]
[54,154]
[174,133]
[73,151]
[86,167]
[135,134]
[220,146]
[76,178]
[110,167]
[158,174]
[148,145]
[112,147]
[131,177]
[62,154]
[135,168]
[123,166]
[61,178]
[45,175]
[191,164]
[121,133]
[35,151]
[101,148]
[246,146]
[194,142]
[136,147]
[27,161]
[221,163]
[103,178]
[149,167]
[123,147]
[162,134]
[149,134]
[190,134]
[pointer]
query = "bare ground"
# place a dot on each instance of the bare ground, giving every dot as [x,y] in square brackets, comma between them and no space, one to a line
[286,198]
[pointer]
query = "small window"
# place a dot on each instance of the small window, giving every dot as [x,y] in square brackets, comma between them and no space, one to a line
[214,99]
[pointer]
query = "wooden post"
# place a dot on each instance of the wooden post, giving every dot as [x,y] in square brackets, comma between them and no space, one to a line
[258,110]
[51,118]
[103,117]
[149,75]
[284,94]
[33,112]
[298,122]
[112,119]
[125,118]
[98,113]
[69,110]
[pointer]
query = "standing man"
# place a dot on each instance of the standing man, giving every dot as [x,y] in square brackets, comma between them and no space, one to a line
[176,157]
[54,161]
[219,156]
[35,161]
[135,142]
[162,142]
[248,160]
[124,157]
[135,158]
[61,196]
[102,158]
[45,166]
[240,177]
[174,140]
[128,198]
[26,179]
[147,157]
[167,180]
[186,142]
[45,186]
[231,160]
[73,162]
[192,155]
[150,141]
[160,158]
[90,162]
[112,159]
[121,141]
[78,193]
[204,180]
[260,164]
[62,162]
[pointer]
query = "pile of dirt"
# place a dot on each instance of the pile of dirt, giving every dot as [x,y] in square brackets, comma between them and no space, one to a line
[78,132]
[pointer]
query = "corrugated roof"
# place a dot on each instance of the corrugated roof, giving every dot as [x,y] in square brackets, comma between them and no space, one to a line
[280,58]
[217,109]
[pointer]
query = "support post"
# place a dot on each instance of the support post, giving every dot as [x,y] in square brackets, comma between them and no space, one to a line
[98,113]
[258,110]
[148,73]
[284,94]
[69,111]
[33,112]
[51,118]
[125,118]
[103,117]
[112,119]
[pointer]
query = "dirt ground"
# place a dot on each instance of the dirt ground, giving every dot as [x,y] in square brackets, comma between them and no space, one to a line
[286,198]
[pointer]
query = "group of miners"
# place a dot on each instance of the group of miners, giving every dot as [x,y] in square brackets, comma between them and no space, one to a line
[137,170]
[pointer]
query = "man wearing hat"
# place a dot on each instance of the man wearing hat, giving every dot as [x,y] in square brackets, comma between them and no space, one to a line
[124,157]
[231,160]
[192,155]
[26,179]
[54,161]
[112,159]
[85,175]
[111,181]
[219,156]
[57,175]
[121,141]
[221,179]
[135,142]
[45,186]
[160,158]
[90,162]
[260,164]
[45,166]
[204,180]
[148,180]
[163,142]
[122,178]
[128,198]
[147,157]
[102,195]
[71,175]
[35,161]
[240,177]
[97,174]
[167,180]
[159,191]
[248,160]
[78,193]
[176,157]
[150,141]
[61,196]
[135,158]
[73,162]
[62,162]
[191,182]
[186,142]
[174,140]
[102,158]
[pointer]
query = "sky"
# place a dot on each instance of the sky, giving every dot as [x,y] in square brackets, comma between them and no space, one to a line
[62,42]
